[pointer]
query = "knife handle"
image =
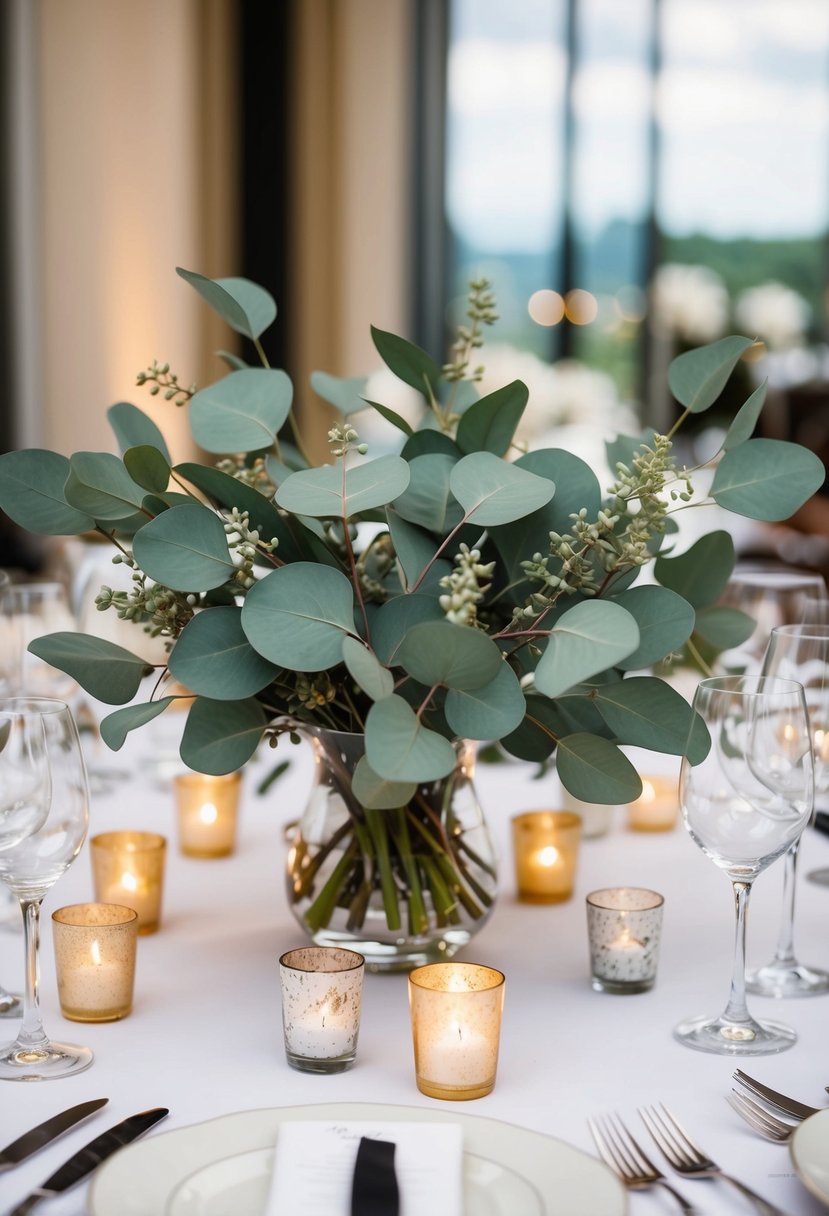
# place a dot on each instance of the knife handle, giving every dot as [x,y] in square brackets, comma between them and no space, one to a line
[26,1205]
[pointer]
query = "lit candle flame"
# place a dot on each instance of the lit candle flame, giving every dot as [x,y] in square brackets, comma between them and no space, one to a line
[208,813]
[129,881]
[95,952]
[547,856]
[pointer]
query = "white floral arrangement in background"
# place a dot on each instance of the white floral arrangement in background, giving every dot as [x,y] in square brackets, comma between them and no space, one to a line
[689,303]
[775,313]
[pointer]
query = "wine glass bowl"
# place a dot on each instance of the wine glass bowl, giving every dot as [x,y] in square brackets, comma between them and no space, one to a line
[35,863]
[32,610]
[771,597]
[744,805]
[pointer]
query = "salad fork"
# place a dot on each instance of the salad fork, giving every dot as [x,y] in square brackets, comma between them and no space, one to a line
[760,1119]
[688,1159]
[624,1155]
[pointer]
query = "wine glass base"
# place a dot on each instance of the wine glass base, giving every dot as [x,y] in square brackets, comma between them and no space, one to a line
[11,1004]
[821,877]
[727,1038]
[787,980]
[20,1063]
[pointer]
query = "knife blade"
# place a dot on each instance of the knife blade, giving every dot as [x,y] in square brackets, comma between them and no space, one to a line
[791,1107]
[46,1132]
[82,1163]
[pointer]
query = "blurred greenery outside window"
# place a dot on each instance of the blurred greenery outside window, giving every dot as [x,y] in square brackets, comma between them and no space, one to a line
[639,178]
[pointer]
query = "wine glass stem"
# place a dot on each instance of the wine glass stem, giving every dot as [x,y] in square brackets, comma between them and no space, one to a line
[785,943]
[736,1010]
[31,1032]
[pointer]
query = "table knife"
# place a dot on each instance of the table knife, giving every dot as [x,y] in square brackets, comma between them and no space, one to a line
[791,1107]
[46,1132]
[90,1157]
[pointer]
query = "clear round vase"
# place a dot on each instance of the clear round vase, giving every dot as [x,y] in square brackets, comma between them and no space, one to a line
[404,886]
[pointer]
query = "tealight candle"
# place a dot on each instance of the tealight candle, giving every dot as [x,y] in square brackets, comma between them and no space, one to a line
[657,807]
[95,960]
[207,813]
[128,869]
[456,1027]
[546,845]
[322,990]
[623,928]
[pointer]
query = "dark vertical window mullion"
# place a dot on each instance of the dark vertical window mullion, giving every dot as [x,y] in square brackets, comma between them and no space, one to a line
[567,262]
[431,245]
[652,244]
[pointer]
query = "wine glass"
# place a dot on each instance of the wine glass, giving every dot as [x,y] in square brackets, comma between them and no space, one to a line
[744,805]
[771,597]
[798,652]
[33,865]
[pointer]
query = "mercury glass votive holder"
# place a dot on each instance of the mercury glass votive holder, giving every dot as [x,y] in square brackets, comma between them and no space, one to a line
[95,960]
[128,868]
[624,927]
[207,807]
[456,1028]
[657,807]
[546,848]
[322,989]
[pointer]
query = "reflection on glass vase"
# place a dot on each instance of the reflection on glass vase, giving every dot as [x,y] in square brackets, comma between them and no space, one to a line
[403,886]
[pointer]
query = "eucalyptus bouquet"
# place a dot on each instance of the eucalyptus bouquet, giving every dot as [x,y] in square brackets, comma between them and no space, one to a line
[454,589]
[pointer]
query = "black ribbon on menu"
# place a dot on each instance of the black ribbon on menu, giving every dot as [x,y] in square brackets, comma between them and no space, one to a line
[374,1190]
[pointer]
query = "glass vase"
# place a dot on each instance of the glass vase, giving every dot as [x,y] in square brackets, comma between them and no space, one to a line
[405,886]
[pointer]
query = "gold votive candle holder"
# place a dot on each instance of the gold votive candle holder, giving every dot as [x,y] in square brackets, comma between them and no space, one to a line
[95,960]
[456,1028]
[128,869]
[207,807]
[322,991]
[546,848]
[657,807]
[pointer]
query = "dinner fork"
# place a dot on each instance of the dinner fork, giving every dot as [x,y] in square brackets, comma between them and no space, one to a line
[759,1118]
[688,1159]
[625,1156]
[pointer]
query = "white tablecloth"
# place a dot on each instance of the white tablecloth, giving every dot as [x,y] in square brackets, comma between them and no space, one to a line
[205,1035]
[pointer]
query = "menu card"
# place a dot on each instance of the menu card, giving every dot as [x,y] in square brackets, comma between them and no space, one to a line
[314,1166]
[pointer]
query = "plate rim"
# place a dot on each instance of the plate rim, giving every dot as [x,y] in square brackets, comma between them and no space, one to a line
[145,1148]
[800,1166]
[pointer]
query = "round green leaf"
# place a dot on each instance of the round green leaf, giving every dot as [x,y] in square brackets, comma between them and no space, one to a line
[133,428]
[697,377]
[99,484]
[594,770]
[665,621]
[214,658]
[394,620]
[745,420]
[32,493]
[241,412]
[185,548]
[491,491]
[221,736]
[147,467]
[489,424]
[366,670]
[766,479]
[108,672]
[535,738]
[229,492]
[646,712]
[724,628]
[700,574]
[438,652]
[585,640]
[411,364]
[398,748]
[321,492]
[346,395]
[489,712]
[376,792]
[428,501]
[414,548]
[116,726]
[243,305]
[297,615]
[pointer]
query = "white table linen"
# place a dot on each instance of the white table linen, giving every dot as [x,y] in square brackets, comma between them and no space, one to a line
[205,1035]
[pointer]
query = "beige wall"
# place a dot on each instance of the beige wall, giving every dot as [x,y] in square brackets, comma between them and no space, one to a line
[136,175]
[121,167]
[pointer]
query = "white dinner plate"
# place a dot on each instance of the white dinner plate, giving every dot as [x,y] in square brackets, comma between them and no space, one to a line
[809,1148]
[222,1168]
